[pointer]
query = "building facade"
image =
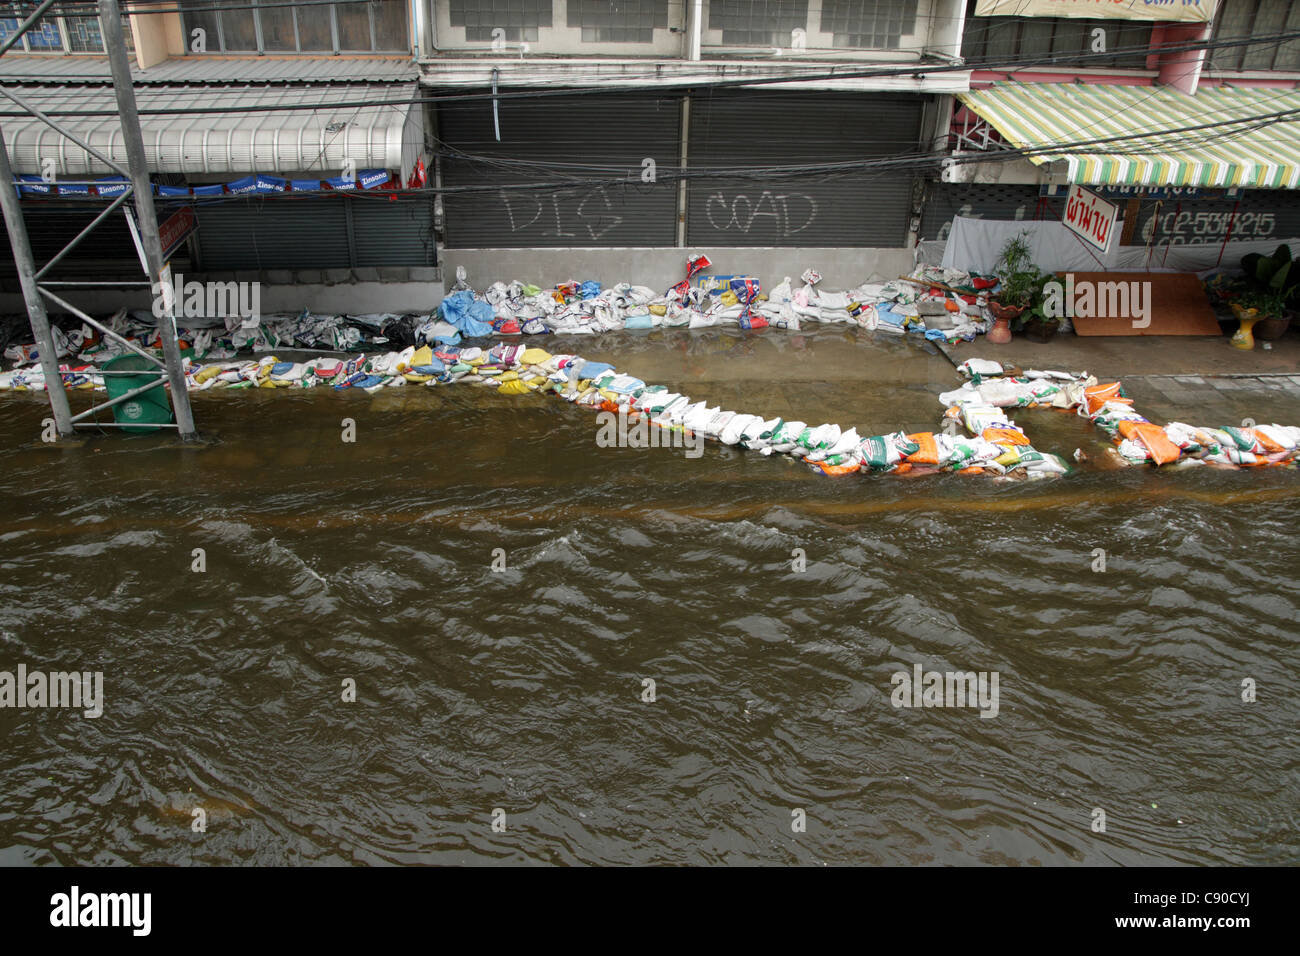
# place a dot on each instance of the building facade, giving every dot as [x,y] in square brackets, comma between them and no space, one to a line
[553,139]
[1200,106]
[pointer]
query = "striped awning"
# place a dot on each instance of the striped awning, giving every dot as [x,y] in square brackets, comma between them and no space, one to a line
[1151,136]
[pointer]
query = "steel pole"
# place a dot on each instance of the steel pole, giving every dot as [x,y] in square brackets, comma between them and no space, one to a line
[110,23]
[22,250]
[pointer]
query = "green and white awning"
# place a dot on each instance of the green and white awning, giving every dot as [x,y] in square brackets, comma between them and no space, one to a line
[1151,136]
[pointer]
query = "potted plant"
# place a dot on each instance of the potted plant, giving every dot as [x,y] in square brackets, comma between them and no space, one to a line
[1019,282]
[1271,288]
[1038,325]
[1254,308]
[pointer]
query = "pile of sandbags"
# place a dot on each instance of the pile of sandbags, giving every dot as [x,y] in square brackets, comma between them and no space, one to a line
[1137,440]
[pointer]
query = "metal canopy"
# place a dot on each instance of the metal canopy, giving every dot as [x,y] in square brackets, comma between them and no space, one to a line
[264,140]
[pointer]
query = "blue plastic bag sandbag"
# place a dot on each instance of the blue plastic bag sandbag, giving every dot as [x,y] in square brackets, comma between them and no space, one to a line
[472,317]
[434,367]
[886,314]
[646,321]
[589,289]
[745,288]
[591,369]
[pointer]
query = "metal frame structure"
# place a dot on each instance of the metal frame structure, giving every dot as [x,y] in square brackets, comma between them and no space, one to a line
[156,270]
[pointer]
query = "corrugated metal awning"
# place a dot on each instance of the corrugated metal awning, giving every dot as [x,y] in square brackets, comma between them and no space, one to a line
[387,135]
[209,68]
[1222,137]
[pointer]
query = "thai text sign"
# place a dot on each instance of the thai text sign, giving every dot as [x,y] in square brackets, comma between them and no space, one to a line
[1090,217]
[1196,11]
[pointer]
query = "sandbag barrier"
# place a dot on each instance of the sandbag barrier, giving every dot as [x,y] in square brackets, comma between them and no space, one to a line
[990,389]
[511,369]
[995,445]
[942,305]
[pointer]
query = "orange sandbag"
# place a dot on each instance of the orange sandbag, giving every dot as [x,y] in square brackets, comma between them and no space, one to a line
[971,470]
[832,470]
[1128,429]
[1270,447]
[1155,441]
[1004,436]
[928,453]
[1098,395]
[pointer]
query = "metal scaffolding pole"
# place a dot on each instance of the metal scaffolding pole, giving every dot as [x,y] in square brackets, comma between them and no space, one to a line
[22,250]
[155,268]
[110,23]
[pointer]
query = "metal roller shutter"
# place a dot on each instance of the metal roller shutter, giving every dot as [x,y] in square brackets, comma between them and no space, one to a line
[984,201]
[397,233]
[552,139]
[280,233]
[746,129]
[1260,216]
[51,225]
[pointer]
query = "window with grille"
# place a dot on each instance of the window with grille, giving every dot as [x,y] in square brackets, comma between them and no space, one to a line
[618,21]
[867,24]
[520,19]
[758,22]
[1241,19]
[1063,41]
[361,27]
[52,34]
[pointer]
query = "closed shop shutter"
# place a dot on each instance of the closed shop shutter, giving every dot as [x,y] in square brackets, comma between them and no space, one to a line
[549,140]
[314,232]
[747,129]
[393,233]
[984,201]
[282,233]
[1261,215]
[108,249]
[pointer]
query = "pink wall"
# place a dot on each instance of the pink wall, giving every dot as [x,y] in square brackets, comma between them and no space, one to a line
[1180,69]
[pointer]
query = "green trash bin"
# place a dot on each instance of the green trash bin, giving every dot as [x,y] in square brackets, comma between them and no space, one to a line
[147,408]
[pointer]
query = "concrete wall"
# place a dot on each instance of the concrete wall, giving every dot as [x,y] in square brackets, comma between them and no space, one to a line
[157,37]
[660,268]
[361,291]
[353,298]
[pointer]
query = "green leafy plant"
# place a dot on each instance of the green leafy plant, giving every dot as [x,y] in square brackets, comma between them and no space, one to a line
[1276,275]
[1020,281]
[1269,302]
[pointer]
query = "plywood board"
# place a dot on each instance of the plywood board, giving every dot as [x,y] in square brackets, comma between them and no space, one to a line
[1175,302]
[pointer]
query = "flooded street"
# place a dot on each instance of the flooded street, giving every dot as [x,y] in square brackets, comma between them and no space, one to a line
[525,689]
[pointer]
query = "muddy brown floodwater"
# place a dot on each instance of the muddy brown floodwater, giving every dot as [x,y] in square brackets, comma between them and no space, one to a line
[522,689]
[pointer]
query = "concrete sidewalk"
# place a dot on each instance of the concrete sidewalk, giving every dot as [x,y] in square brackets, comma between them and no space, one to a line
[1201,381]
[1120,356]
